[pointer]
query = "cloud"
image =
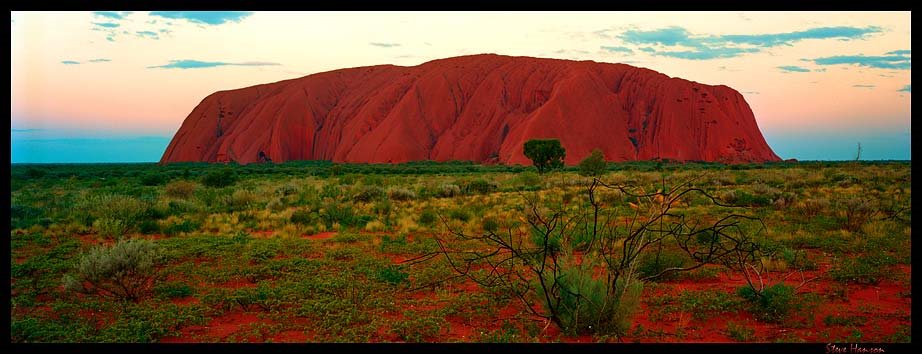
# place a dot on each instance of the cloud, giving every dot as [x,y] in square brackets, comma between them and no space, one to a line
[617,49]
[385,45]
[147,34]
[14,130]
[707,53]
[900,52]
[70,62]
[907,88]
[196,64]
[864,86]
[204,17]
[788,38]
[106,24]
[889,61]
[115,15]
[100,60]
[677,42]
[793,69]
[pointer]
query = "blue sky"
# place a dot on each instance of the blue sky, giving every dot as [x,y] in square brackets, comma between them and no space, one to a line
[99,85]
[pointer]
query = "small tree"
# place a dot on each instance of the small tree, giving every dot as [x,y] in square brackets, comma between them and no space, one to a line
[545,154]
[593,165]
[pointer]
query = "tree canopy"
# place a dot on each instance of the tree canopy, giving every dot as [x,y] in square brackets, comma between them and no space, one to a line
[545,154]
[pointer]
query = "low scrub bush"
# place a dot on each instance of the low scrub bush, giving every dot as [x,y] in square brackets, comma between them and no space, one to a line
[587,305]
[125,271]
[219,178]
[368,194]
[774,304]
[401,194]
[448,191]
[180,189]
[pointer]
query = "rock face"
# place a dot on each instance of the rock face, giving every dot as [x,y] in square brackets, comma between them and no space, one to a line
[479,108]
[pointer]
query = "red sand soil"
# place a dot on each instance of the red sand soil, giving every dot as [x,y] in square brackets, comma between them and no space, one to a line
[474,108]
[220,328]
[320,236]
[885,306]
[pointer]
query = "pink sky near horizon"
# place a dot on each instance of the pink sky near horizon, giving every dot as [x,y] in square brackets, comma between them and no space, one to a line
[125,95]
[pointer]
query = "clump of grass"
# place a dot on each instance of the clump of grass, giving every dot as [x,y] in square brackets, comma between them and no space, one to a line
[869,269]
[180,189]
[173,290]
[401,194]
[449,191]
[739,332]
[369,193]
[774,304]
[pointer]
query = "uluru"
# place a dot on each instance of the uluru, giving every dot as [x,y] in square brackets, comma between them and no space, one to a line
[480,108]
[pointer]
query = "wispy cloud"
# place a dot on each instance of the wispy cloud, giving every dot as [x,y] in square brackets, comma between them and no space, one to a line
[864,86]
[106,24]
[115,15]
[899,60]
[197,64]
[204,17]
[793,69]
[100,60]
[788,38]
[677,42]
[147,34]
[907,88]
[900,52]
[384,45]
[14,130]
[617,49]
[70,62]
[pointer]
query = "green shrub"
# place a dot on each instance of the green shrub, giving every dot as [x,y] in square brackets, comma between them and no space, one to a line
[490,224]
[460,214]
[186,225]
[149,227]
[111,227]
[480,186]
[116,214]
[654,263]
[304,217]
[331,191]
[391,275]
[219,178]
[587,306]
[153,179]
[125,271]
[739,333]
[774,304]
[868,269]
[427,217]
[593,165]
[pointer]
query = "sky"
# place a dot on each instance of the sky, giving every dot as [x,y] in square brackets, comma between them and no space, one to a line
[116,86]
